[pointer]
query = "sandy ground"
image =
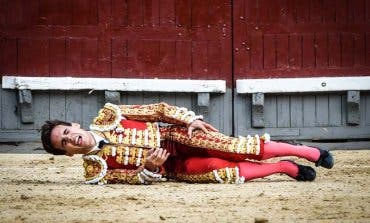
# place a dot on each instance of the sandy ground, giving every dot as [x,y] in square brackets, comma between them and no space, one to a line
[44,188]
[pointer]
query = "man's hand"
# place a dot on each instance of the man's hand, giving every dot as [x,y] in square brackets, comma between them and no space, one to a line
[199,124]
[156,157]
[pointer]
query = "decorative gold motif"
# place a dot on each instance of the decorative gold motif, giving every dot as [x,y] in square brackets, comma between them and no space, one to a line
[224,175]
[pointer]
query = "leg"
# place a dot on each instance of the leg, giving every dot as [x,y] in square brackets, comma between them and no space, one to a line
[278,149]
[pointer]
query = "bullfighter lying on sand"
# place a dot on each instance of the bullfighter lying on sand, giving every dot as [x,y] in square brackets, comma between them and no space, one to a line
[126,144]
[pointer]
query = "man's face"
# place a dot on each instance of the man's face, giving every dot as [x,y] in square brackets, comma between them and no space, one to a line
[72,139]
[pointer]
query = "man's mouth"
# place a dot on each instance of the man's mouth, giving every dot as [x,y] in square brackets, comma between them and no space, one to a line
[78,140]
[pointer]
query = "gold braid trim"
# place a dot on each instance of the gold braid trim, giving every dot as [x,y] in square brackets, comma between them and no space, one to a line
[123,176]
[108,118]
[216,141]
[224,175]
[125,155]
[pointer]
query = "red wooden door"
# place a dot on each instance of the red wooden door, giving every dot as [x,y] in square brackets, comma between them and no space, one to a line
[294,38]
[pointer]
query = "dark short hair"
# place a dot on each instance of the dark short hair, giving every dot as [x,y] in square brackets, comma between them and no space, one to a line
[46,136]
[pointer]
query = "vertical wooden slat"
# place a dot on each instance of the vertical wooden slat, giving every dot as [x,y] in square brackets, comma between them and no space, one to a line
[167,13]
[135,13]
[73,56]
[89,55]
[296,111]
[367,12]
[215,10]
[269,51]
[256,51]
[283,111]
[309,111]
[199,13]
[251,10]
[183,58]
[344,109]
[33,57]
[242,118]
[10,118]
[357,9]
[1,104]
[41,105]
[148,58]
[57,57]
[199,58]
[335,108]
[347,50]
[80,12]
[151,9]
[269,11]
[214,60]
[57,12]
[321,43]
[8,56]
[14,12]
[308,50]
[89,109]
[3,11]
[341,11]
[295,51]
[241,56]
[73,107]
[135,98]
[104,51]
[359,50]
[271,107]
[367,48]
[57,105]
[322,110]
[303,11]
[329,11]
[363,108]
[334,49]
[282,51]
[183,13]
[167,54]
[150,98]
[119,13]
[316,11]
[367,109]
[119,57]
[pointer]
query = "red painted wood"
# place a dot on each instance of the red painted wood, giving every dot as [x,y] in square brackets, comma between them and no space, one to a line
[321,45]
[359,50]
[119,58]
[151,10]
[341,11]
[119,13]
[282,53]
[33,57]
[308,51]
[167,55]
[183,13]
[241,43]
[256,51]
[57,57]
[183,59]
[167,13]
[347,50]
[334,50]
[73,56]
[295,51]
[214,59]
[135,13]
[89,55]
[199,13]
[269,59]
[8,56]
[199,59]
[329,11]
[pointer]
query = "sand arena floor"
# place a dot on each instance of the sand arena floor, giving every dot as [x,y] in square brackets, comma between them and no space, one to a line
[45,188]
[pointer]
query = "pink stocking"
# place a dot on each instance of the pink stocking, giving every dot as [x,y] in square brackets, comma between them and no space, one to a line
[278,149]
[252,170]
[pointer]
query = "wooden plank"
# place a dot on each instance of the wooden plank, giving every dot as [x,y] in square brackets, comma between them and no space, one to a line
[135,13]
[269,11]
[316,11]
[9,113]
[33,57]
[57,12]
[214,60]
[367,48]
[269,51]
[347,50]
[119,13]
[322,110]
[322,54]
[1,104]
[73,56]
[183,13]
[295,51]
[242,113]
[216,10]
[167,55]
[367,14]
[3,11]
[89,109]
[344,109]
[303,12]
[335,108]
[341,11]
[309,111]
[199,14]
[167,13]
[366,98]
[89,55]
[283,111]
[74,107]
[119,57]
[14,12]
[359,50]
[151,10]
[104,63]
[296,111]
[256,51]
[41,105]
[57,105]
[150,97]
[357,12]
[271,111]
[84,12]
[242,55]
[199,59]
[8,56]
[334,49]
[251,10]
[363,108]
[308,50]
[329,11]
[183,59]
[57,57]
[135,98]
[282,51]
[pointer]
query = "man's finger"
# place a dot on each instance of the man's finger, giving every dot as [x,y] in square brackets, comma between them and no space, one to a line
[204,129]
[190,130]
[209,126]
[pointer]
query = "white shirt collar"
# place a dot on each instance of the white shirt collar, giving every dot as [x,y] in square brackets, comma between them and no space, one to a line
[97,140]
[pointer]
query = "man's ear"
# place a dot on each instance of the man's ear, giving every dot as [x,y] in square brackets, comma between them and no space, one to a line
[76,125]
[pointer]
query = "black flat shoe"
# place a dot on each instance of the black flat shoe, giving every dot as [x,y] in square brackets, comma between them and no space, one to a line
[325,160]
[305,173]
